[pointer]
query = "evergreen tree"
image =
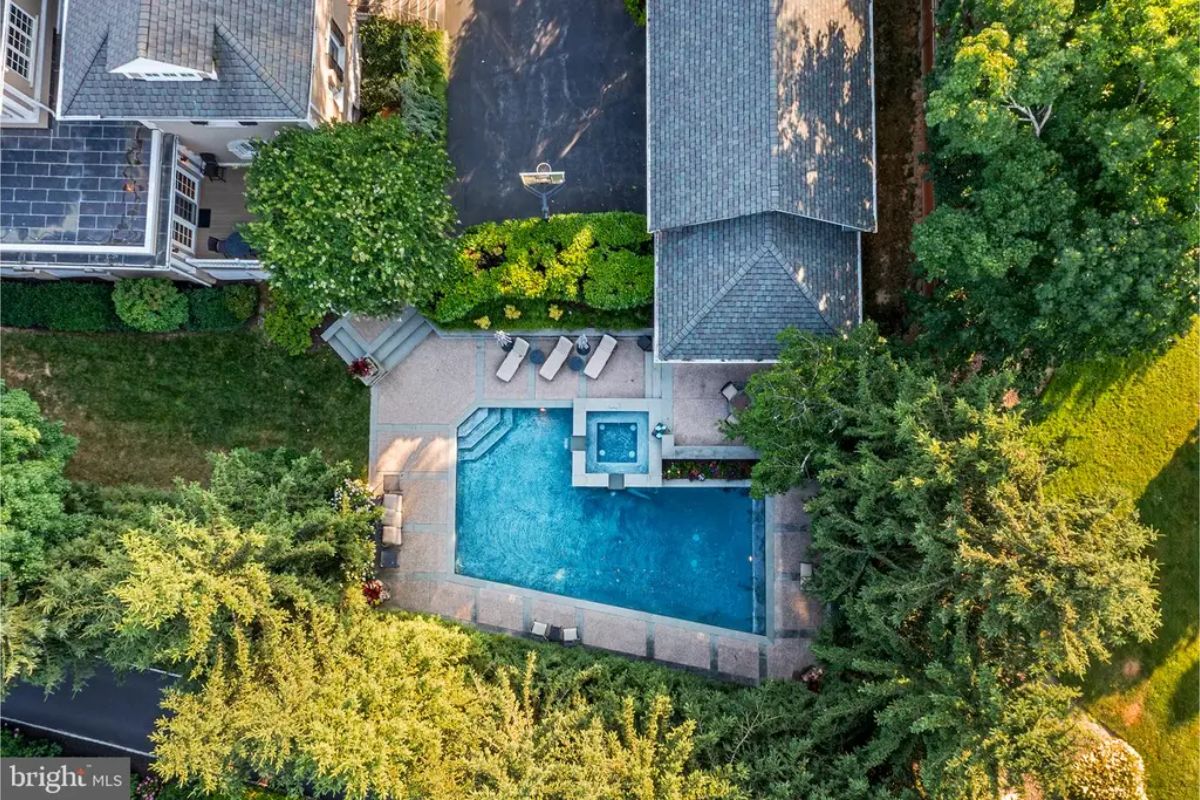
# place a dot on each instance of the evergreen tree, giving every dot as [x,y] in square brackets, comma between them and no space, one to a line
[962,594]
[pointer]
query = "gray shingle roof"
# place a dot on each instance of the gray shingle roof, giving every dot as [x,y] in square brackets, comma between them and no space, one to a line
[261,51]
[760,105]
[724,290]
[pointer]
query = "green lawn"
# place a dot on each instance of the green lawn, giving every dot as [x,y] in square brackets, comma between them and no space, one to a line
[1133,426]
[147,408]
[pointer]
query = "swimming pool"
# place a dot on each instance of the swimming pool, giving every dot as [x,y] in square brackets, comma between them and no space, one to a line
[691,553]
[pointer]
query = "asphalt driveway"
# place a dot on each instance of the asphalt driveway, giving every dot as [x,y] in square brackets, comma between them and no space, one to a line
[562,81]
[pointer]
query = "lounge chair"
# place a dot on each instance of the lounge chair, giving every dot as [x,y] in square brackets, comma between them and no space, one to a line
[508,367]
[557,357]
[596,363]
[540,629]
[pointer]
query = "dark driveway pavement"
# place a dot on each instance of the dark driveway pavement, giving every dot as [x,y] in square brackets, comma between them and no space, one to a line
[110,716]
[562,81]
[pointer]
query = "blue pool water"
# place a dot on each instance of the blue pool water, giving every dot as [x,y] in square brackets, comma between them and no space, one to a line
[691,553]
[618,441]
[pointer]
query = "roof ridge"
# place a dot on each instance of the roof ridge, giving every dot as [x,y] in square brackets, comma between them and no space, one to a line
[781,262]
[100,48]
[259,69]
[712,301]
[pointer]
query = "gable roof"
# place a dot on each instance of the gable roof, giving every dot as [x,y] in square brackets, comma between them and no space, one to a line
[761,105]
[261,51]
[724,290]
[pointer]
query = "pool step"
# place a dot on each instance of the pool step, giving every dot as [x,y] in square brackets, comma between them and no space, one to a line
[492,418]
[488,440]
[470,423]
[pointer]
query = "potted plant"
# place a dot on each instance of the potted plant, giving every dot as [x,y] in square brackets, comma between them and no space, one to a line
[363,367]
[582,346]
[504,340]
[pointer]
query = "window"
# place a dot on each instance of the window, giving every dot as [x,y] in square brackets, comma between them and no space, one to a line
[337,50]
[186,210]
[180,75]
[19,41]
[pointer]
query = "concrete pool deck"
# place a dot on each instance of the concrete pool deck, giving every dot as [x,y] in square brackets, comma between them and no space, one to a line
[415,412]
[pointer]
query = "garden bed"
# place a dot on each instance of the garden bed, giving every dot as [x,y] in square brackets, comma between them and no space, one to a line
[571,271]
[720,469]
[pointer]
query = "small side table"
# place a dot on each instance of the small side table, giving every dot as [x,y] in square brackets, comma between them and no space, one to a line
[536,356]
[575,363]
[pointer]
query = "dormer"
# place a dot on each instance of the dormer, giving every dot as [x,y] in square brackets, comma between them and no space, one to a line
[148,69]
[163,41]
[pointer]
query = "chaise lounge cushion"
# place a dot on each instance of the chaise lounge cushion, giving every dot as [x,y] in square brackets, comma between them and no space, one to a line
[557,358]
[600,358]
[508,367]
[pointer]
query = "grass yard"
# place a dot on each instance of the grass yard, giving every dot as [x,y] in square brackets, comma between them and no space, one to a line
[1133,426]
[147,408]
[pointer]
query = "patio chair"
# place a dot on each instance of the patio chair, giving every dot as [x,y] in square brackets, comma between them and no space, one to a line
[730,391]
[557,357]
[600,358]
[570,635]
[508,367]
[539,629]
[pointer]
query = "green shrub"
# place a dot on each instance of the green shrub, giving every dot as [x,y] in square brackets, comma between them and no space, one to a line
[404,72]
[352,217]
[221,308]
[623,279]
[637,10]
[153,305]
[14,744]
[58,306]
[287,326]
[241,299]
[551,261]
[1107,769]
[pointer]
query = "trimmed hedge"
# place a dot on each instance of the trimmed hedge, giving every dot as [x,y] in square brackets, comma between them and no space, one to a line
[604,261]
[80,307]
[152,305]
[59,306]
[221,308]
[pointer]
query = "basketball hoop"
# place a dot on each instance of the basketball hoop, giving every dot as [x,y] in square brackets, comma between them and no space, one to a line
[543,182]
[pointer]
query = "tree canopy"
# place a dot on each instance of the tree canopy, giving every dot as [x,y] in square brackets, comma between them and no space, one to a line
[963,594]
[352,217]
[1063,142]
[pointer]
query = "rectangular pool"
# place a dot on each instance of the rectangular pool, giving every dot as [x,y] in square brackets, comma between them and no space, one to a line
[692,553]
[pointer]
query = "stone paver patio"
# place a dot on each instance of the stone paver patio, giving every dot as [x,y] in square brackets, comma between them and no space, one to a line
[415,411]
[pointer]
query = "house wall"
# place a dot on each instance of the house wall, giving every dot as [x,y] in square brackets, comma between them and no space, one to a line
[324,103]
[38,88]
[216,138]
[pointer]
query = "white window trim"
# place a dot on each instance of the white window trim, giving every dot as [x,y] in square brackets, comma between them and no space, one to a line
[183,225]
[30,54]
[337,51]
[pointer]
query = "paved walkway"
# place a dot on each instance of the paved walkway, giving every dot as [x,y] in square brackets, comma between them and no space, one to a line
[415,412]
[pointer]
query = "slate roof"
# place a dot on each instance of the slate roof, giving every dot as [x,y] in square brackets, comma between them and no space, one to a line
[724,290]
[760,105]
[82,183]
[261,51]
